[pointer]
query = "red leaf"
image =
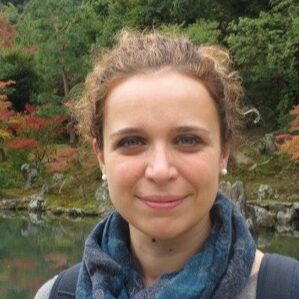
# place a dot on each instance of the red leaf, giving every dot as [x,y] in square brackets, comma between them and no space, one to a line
[6,114]
[283,137]
[36,123]
[22,143]
[30,108]
[7,32]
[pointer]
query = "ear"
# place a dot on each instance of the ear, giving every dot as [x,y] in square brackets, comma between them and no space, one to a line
[99,153]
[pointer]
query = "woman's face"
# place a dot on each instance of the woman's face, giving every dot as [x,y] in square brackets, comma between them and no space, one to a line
[162,152]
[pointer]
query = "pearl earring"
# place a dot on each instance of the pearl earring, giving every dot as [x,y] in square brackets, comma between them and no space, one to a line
[102,192]
[104,176]
[224,171]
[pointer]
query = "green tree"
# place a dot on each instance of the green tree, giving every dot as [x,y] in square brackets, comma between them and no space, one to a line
[18,4]
[266,50]
[200,32]
[156,12]
[185,12]
[111,16]
[61,31]
[14,2]
[17,64]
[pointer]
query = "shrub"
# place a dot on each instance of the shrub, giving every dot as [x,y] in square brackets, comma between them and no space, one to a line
[266,51]
[6,180]
[291,142]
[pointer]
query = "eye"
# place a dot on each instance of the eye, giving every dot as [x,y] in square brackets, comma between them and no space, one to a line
[131,142]
[188,140]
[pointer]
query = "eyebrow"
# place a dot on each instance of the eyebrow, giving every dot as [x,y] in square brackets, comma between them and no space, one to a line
[186,129]
[125,131]
[181,129]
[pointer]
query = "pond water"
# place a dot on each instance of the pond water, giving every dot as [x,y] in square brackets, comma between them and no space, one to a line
[33,250]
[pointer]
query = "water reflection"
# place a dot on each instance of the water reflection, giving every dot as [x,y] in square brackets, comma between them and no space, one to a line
[287,244]
[34,248]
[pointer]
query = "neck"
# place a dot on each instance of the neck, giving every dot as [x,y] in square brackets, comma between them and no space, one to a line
[156,257]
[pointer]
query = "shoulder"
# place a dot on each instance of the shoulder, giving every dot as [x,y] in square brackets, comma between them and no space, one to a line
[63,284]
[278,266]
[278,276]
[257,262]
[272,276]
[44,291]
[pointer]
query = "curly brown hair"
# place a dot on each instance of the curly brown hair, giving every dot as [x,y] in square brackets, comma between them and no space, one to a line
[141,53]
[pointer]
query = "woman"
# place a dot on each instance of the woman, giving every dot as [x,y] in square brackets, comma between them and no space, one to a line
[163,115]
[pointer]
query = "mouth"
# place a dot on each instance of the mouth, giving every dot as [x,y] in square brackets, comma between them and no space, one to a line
[160,202]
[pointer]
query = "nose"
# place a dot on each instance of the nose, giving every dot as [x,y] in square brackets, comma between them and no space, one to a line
[160,166]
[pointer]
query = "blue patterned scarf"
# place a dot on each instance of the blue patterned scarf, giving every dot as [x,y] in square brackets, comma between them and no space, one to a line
[220,270]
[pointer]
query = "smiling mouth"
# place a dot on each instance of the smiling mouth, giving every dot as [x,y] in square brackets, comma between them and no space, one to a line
[162,202]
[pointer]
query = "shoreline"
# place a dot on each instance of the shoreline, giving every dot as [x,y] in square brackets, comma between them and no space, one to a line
[280,216]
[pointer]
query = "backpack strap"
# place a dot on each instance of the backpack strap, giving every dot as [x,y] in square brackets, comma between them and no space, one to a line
[65,284]
[278,278]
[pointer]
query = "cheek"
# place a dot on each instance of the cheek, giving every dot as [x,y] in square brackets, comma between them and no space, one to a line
[203,166]
[124,173]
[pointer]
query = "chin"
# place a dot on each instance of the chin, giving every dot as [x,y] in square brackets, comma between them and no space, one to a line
[163,232]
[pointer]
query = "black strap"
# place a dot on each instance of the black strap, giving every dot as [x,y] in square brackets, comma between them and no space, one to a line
[65,284]
[278,278]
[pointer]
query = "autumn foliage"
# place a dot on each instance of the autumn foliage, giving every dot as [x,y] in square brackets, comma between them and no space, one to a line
[289,143]
[7,32]
[60,161]
[27,131]
[5,110]
[22,143]
[3,86]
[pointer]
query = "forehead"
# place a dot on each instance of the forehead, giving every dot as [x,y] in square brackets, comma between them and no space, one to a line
[160,98]
[166,81]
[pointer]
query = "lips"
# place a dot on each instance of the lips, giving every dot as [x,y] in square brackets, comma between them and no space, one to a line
[161,202]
